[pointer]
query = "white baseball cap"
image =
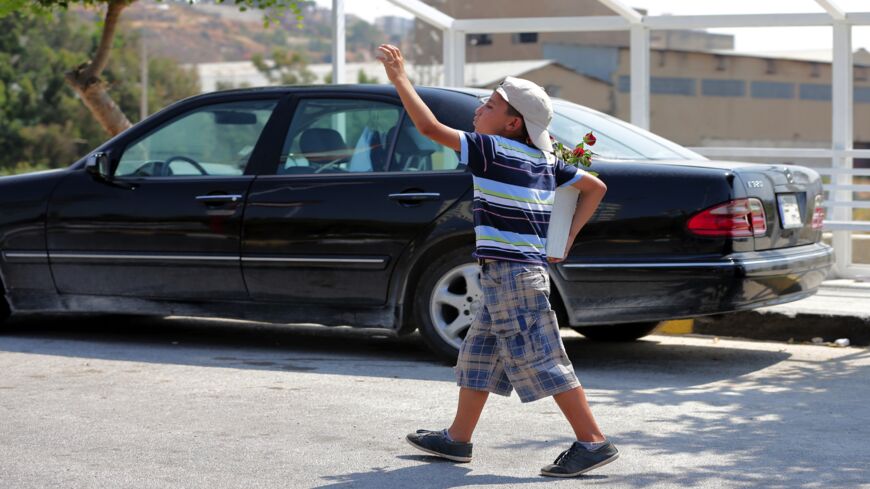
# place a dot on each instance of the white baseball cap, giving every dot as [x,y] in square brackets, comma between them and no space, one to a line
[534,104]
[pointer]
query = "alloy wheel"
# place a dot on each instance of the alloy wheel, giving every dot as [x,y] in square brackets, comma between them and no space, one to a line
[456,298]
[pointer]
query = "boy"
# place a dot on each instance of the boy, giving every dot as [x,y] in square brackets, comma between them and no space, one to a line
[514,341]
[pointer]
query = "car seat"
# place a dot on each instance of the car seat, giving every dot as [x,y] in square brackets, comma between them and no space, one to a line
[413,150]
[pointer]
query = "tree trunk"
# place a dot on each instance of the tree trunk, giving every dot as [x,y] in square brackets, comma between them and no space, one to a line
[85,79]
[97,100]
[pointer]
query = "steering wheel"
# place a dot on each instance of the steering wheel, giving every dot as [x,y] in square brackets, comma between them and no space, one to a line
[165,170]
[331,164]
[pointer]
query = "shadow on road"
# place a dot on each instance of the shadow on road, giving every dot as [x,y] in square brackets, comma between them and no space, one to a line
[341,351]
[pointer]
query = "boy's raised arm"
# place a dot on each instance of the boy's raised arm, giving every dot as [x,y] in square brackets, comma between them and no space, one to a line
[423,118]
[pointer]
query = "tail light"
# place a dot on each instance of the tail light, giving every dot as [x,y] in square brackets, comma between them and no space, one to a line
[818,214]
[739,218]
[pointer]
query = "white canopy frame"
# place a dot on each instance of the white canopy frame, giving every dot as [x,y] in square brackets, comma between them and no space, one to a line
[840,203]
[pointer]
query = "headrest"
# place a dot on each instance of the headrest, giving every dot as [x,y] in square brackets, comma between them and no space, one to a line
[322,145]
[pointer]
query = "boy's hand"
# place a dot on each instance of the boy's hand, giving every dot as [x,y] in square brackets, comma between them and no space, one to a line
[553,259]
[394,63]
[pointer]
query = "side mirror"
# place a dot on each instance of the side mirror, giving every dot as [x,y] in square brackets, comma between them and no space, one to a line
[98,164]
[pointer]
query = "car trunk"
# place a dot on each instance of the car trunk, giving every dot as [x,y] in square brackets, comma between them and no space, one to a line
[789,195]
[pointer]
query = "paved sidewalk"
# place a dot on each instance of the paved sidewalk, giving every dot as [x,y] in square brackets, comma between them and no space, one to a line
[840,309]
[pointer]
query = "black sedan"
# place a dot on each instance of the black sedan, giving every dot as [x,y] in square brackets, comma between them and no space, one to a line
[325,205]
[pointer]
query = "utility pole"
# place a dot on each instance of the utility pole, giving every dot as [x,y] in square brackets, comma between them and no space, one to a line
[143,59]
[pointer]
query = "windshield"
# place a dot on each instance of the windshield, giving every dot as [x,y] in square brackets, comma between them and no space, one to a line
[616,139]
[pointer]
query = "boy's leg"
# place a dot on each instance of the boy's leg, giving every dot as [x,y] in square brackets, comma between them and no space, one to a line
[576,409]
[468,411]
[592,450]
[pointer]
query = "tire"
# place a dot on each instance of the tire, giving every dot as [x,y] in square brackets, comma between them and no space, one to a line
[617,332]
[5,311]
[446,299]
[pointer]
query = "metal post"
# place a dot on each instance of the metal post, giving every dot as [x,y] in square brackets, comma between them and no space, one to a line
[454,58]
[640,75]
[447,40]
[143,100]
[842,140]
[458,58]
[338,44]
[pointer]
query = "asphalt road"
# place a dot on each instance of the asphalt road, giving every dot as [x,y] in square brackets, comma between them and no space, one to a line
[182,403]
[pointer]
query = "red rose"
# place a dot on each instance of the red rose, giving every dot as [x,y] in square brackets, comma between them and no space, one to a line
[589,139]
[579,152]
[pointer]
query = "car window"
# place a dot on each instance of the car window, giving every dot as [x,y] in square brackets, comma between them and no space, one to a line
[339,136]
[212,140]
[416,152]
[616,139]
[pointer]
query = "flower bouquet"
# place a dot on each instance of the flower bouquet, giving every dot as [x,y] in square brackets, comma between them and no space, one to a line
[565,202]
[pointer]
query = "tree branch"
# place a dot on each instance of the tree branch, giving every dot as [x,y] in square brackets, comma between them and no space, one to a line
[101,59]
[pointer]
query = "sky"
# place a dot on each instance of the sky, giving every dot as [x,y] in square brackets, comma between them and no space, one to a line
[747,39]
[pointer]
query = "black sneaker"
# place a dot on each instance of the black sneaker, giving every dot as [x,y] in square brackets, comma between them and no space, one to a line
[437,443]
[577,460]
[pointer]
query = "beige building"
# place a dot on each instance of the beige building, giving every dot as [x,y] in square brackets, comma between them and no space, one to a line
[724,98]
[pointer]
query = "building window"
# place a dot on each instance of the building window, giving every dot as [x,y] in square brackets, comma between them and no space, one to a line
[771,67]
[720,63]
[723,88]
[479,39]
[862,95]
[815,70]
[525,38]
[772,90]
[812,91]
[662,85]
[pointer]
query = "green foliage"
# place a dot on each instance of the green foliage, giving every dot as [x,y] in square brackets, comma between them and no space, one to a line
[286,68]
[275,10]
[361,77]
[42,122]
[362,33]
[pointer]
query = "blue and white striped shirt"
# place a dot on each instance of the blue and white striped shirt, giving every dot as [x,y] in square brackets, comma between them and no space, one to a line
[514,189]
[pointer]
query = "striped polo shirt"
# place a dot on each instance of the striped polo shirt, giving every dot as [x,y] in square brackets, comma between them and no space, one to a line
[514,189]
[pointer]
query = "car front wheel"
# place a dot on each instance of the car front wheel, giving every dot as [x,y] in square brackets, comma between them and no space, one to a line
[4,308]
[447,299]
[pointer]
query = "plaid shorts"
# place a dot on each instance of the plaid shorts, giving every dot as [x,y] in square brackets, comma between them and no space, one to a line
[513,341]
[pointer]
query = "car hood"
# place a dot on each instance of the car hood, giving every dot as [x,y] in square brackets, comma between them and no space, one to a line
[29,186]
[26,177]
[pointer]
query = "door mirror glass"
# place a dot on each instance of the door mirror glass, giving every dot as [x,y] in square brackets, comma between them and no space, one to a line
[98,164]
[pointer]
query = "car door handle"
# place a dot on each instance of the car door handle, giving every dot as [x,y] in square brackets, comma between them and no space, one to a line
[213,199]
[416,196]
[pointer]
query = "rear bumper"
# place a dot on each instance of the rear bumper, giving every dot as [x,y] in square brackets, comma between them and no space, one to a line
[620,292]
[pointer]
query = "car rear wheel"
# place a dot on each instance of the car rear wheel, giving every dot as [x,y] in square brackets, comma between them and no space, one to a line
[617,332]
[448,297]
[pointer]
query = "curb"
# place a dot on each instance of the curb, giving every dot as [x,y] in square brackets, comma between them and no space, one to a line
[775,326]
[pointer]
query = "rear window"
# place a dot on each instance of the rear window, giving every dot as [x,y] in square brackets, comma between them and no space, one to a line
[616,139]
